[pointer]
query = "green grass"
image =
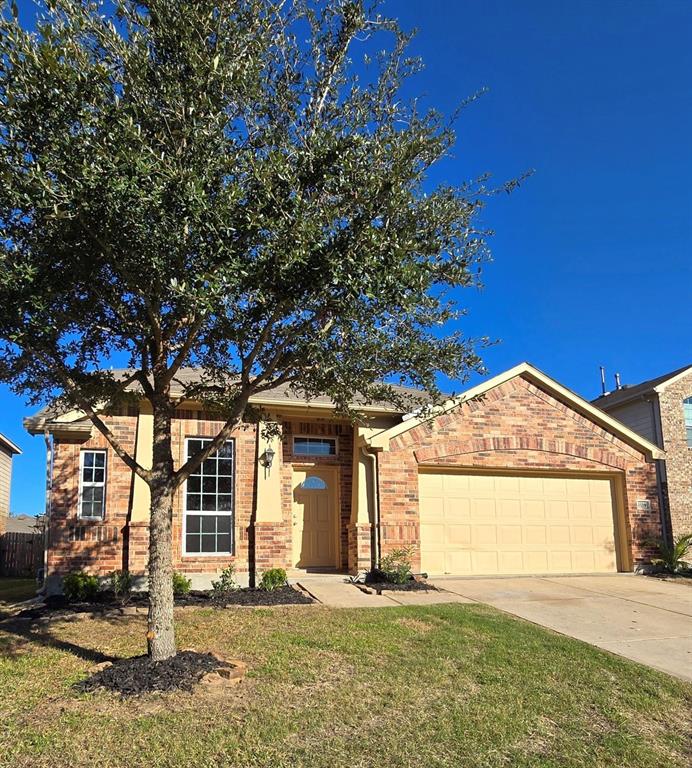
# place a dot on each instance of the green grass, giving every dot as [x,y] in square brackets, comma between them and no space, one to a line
[450,685]
[15,590]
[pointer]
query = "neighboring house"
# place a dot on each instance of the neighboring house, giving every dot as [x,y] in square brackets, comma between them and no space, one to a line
[7,450]
[24,524]
[661,411]
[517,475]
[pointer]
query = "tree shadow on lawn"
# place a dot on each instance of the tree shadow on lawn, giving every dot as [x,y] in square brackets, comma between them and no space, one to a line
[30,631]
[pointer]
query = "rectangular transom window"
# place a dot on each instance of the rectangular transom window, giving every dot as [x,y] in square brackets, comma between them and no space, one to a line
[314,446]
[209,501]
[92,484]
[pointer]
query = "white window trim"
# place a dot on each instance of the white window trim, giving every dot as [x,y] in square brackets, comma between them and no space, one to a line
[686,402]
[103,485]
[333,438]
[230,514]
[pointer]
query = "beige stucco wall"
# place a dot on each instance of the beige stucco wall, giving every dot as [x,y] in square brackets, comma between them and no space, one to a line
[269,508]
[5,482]
[144,447]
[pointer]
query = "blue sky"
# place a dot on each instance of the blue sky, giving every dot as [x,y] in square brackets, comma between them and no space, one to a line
[593,254]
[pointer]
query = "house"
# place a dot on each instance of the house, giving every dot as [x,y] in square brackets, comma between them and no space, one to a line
[518,475]
[661,411]
[24,524]
[7,451]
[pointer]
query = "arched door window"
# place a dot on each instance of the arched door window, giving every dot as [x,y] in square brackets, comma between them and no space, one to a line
[313,483]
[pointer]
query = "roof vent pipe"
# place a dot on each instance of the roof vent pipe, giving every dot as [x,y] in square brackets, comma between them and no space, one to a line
[618,385]
[603,385]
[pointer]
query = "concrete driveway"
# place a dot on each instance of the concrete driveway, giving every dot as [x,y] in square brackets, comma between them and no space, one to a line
[644,619]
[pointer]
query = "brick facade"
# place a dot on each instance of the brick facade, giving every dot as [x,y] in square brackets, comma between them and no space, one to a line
[118,542]
[514,426]
[359,547]
[678,460]
[93,545]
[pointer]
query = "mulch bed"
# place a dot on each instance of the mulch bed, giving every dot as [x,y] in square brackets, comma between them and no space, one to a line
[281,596]
[139,675]
[412,585]
[105,602]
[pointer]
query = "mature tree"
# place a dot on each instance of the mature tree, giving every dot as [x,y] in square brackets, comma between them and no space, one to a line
[232,185]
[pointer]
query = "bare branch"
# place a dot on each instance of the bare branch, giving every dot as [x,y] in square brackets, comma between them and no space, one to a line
[348,31]
[262,339]
[179,359]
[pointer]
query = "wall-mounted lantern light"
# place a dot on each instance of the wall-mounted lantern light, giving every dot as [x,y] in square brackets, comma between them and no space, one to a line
[268,459]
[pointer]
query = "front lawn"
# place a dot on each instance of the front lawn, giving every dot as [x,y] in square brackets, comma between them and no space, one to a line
[450,685]
[15,590]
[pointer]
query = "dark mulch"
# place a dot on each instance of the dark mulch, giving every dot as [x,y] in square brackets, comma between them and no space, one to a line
[286,595]
[409,586]
[138,675]
[106,601]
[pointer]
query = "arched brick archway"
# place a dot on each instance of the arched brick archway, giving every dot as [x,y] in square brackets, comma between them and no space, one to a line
[455,449]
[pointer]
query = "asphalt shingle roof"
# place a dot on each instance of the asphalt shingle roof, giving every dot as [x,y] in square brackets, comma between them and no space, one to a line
[284,393]
[630,392]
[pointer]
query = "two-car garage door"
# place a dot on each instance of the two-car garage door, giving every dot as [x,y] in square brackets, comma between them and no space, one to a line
[481,524]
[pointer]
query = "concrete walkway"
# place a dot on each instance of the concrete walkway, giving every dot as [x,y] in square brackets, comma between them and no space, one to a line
[336,591]
[644,619]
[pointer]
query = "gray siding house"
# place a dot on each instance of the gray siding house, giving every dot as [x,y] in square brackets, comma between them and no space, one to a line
[661,411]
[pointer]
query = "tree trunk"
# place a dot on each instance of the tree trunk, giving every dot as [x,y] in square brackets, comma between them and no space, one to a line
[161,631]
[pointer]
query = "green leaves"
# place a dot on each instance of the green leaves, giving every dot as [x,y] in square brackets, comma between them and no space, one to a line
[197,184]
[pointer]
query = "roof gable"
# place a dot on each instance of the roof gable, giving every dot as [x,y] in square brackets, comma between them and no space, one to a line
[532,374]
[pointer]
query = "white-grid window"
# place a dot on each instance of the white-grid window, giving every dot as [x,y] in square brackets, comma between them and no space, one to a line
[209,501]
[92,484]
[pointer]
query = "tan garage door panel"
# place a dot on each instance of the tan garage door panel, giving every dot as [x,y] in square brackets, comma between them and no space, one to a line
[507,524]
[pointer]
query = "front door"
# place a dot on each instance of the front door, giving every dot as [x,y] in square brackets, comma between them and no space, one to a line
[314,518]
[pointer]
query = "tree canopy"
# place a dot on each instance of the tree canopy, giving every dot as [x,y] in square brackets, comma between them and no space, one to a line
[236,186]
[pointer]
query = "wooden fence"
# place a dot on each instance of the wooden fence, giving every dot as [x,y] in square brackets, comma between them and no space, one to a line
[21,554]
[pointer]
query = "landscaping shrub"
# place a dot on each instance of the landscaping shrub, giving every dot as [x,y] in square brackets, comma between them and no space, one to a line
[226,582]
[181,584]
[273,579]
[396,566]
[674,558]
[79,586]
[121,584]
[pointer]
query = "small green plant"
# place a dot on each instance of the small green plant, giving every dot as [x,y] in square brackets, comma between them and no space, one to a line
[396,566]
[121,584]
[79,586]
[181,584]
[226,582]
[273,579]
[674,557]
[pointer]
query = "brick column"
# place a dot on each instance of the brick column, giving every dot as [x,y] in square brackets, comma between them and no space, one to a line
[359,547]
[138,548]
[272,541]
